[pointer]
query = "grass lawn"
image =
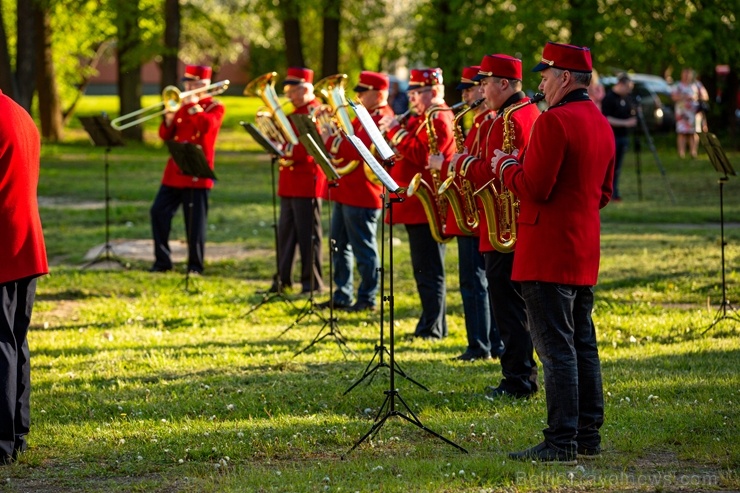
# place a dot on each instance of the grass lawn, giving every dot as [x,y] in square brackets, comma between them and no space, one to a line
[140,385]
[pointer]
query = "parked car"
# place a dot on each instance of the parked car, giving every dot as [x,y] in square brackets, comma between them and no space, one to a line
[654,95]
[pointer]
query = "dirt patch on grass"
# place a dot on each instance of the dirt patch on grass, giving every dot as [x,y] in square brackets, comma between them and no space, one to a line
[144,250]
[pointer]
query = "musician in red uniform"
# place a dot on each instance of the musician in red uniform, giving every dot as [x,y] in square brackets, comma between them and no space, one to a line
[482,334]
[562,182]
[22,261]
[357,204]
[301,184]
[198,121]
[501,79]
[426,96]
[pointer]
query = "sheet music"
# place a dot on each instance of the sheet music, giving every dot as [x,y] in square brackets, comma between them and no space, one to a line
[373,132]
[379,171]
[318,154]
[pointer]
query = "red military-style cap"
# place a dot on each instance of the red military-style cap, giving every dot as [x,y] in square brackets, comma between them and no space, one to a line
[298,75]
[499,65]
[372,81]
[197,72]
[422,77]
[467,81]
[565,57]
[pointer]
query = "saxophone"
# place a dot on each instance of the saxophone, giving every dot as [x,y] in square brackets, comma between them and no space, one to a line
[435,206]
[500,205]
[460,197]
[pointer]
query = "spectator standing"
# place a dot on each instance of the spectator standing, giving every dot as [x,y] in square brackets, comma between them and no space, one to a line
[619,111]
[688,93]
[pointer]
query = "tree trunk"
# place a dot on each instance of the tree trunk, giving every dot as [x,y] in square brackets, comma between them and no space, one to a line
[129,66]
[25,55]
[330,58]
[172,22]
[6,79]
[50,111]
[582,15]
[292,33]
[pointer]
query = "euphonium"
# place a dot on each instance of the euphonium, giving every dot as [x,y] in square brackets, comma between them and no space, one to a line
[502,207]
[332,89]
[264,87]
[460,196]
[435,206]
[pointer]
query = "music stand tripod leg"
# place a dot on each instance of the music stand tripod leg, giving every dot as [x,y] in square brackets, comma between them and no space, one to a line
[389,404]
[331,322]
[268,297]
[106,254]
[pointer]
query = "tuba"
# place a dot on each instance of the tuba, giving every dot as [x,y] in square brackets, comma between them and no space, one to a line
[460,196]
[264,88]
[501,206]
[435,206]
[333,116]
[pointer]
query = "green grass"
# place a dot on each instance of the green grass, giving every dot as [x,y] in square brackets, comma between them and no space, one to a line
[139,385]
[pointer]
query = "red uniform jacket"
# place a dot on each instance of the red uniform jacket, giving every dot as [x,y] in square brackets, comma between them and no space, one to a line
[479,169]
[563,181]
[300,176]
[412,145]
[472,144]
[354,188]
[199,124]
[22,249]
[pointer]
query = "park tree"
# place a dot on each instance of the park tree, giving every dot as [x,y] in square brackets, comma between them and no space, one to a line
[50,106]
[171,50]
[6,78]
[25,56]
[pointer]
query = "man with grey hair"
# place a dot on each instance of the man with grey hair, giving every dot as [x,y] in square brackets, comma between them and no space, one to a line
[563,180]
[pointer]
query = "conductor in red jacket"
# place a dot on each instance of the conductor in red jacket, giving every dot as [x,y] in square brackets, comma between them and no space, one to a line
[563,181]
[22,261]
[198,121]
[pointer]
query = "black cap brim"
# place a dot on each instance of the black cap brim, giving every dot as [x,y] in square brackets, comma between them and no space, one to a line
[361,88]
[540,67]
[465,85]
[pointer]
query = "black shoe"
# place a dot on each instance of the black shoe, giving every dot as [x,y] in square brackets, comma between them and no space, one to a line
[193,272]
[471,356]
[279,288]
[493,393]
[155,268]
[362,306]
[545,453]
[336,305]
[588,452]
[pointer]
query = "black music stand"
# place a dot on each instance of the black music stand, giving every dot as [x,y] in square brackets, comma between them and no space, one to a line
[388,408]
[192,161]
[722,165]
[103,135]
[380,349]
[275,154]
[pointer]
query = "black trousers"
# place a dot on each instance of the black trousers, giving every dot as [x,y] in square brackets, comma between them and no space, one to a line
[428,262]
[195,209]
[517,361]
[298,226]
[16,300]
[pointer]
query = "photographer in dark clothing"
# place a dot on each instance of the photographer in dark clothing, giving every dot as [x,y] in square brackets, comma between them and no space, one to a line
[619,109]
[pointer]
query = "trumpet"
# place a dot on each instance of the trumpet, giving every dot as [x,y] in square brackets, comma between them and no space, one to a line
[264,88]
[172,99]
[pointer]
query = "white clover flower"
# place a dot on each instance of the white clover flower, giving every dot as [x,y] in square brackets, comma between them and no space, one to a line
[230,407]
[138,457]
[180,461]
[122,441]
[461,472]
[240,434]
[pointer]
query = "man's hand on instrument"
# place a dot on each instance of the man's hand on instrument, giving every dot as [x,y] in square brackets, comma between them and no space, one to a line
[435,161]
[501,161]
[387,123]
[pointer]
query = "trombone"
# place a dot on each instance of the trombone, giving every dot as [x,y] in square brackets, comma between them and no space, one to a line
[171,101]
